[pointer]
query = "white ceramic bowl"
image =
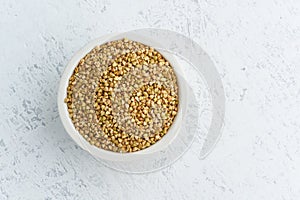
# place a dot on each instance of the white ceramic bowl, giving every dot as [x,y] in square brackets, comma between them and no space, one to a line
[109,155]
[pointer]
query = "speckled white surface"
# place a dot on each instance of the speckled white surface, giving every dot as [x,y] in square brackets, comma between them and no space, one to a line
[256,47]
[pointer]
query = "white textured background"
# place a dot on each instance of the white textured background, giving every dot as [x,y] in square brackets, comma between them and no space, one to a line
[256,47]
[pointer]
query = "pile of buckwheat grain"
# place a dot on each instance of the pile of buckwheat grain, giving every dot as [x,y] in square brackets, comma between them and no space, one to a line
[123,96]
